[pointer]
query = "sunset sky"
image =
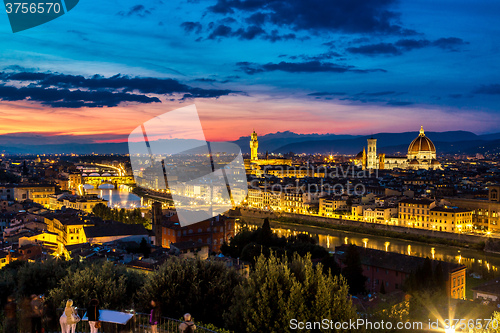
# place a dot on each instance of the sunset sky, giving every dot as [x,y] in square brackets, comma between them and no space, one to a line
[307,66]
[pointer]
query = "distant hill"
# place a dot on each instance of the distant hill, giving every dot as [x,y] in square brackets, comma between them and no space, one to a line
[397,143]
[68,148]
[281,142]
[273,141]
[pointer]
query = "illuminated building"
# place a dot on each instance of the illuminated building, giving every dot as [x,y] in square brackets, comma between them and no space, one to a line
[272,200]
[371,157]
[254,145]
[298,201]
[485,212]
[84,203]
[212,232]
[45,238]
[74,180]
[5,258]
[421,155]
[68,225]
[424,214]
[415,213]
[254,164]
[38,193]
[255,198]
[332,205]
[451,219]
[379,214]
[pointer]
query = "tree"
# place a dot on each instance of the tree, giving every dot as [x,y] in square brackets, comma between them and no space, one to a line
[439,279]
[493,325]
[427,278]
[353,271]
[251,252]
[133,216]
[330,265]
[144,248]
[24,169]
[38,277]
[114,286]
[248,245]
[278,291]
[349,202]
[202,288]
[265,236]
[7,282]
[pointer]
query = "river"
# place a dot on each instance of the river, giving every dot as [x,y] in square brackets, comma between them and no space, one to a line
[118,198]
[475,261]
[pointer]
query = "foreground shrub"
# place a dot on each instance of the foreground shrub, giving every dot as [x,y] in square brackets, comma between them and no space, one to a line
[202,288]
[114,286]
[280,290]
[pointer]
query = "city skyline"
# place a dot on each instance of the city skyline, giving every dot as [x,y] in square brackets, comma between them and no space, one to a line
[390,67]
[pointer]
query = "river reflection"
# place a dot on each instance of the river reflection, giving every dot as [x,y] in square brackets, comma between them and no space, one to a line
[475,261]
[118,198]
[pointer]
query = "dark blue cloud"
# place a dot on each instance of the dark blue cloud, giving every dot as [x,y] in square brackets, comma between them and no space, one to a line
[397,48]
[410,44]
[375,49]
[192,27]
[351,16]
[71,98]
[377,97]
[301,67]
[257,18]
[275,36]
[378,93]
[248,33]
[490,89]
[138,10]
[97,90]
[450,43]
[145,85]
[325,93]
[399,103]
[207,80]
[221,31]
[322,56]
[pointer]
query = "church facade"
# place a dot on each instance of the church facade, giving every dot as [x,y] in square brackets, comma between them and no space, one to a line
[421,156]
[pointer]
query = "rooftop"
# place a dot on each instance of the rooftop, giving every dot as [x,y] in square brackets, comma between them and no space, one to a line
[115,229]
[417,201]
[188,245]
[490,287]
[449,209]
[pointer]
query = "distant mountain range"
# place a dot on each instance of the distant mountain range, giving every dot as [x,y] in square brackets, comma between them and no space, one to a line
[397,143]
[281,142]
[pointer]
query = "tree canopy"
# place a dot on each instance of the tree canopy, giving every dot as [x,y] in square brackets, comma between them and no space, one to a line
[129,216]
[279,290]
[202,288]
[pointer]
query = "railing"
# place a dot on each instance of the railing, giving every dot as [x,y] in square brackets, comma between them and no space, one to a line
[139,323]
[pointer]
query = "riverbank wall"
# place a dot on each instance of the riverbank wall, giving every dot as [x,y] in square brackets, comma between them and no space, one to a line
[369,228]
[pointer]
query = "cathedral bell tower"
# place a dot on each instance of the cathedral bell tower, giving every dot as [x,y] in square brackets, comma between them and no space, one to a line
[372,159]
